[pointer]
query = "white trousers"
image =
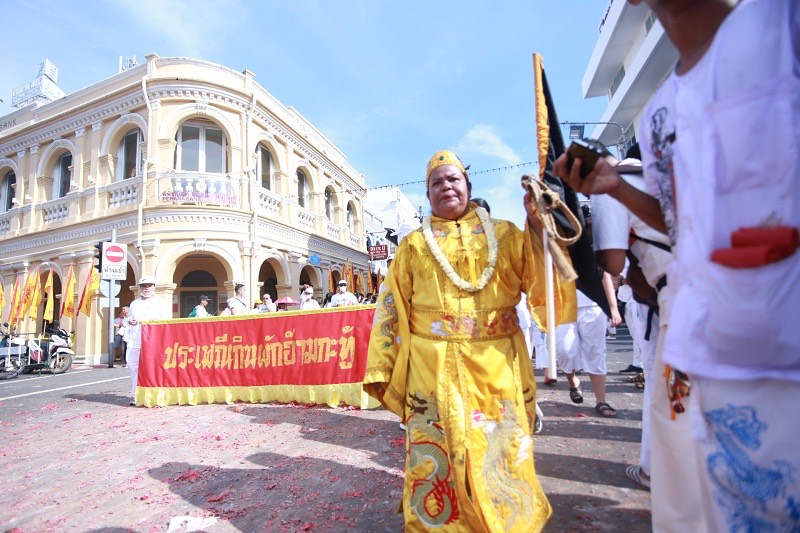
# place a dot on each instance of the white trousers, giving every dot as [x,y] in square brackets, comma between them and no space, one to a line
[675,490]
[636,320]
[133,368]
[746,434]
[648,353]
[582,344]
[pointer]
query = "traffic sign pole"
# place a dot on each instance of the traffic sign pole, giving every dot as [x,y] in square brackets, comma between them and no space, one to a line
[111,299]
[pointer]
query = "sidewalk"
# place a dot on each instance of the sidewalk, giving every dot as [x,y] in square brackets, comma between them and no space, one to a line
[87,462]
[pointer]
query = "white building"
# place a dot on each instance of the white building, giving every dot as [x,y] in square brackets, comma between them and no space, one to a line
[394,209]
[203,174]
[631,59]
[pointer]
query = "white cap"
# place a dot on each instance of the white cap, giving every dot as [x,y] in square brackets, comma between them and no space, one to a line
[147,280]
[341,282]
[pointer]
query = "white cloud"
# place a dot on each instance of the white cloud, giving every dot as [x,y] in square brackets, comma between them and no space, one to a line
[191,29]
[482,139]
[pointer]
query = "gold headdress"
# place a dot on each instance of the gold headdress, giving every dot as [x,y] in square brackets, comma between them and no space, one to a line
[444,157]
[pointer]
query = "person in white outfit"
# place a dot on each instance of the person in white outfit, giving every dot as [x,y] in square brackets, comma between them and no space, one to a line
[343,297]
[720,148]
[199,310]
[143,309]
[307,301]
[532,333]
[238,304]
[616,230]
[267,305]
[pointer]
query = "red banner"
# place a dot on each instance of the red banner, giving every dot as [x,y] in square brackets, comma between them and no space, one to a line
[305,348]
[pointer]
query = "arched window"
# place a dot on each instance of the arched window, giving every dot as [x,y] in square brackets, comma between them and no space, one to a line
[329,203]
[302,187]
[61,175]
[264,166]
[8,191]
[129,155]
[351,219]
[201,147]
[199,278]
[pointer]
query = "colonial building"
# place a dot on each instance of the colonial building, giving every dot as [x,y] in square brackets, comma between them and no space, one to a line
[202,173]
[631,59]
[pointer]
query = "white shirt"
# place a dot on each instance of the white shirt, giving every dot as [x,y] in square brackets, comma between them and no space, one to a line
[343,298]
[143,310]
[200,311]
[309,303]
[611,227]
[237,306]
[720,145]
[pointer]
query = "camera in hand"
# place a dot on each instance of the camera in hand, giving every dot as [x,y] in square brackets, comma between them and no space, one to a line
[589,151]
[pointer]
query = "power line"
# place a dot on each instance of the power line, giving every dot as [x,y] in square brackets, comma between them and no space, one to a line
[166,171]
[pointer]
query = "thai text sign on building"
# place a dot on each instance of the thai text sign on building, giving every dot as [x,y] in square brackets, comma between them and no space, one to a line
[378,252]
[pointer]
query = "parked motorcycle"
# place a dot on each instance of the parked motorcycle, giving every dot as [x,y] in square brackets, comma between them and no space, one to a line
[55,355]
[13,353]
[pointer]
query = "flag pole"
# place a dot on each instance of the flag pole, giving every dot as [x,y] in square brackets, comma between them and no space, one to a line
[550,299]
[543,148]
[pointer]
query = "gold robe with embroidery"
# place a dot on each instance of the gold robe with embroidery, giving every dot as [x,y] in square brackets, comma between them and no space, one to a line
[455,367]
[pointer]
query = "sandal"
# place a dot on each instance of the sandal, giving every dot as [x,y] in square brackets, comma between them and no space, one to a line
[638,378]
[636,473]
[575,395]
[550,381]
[605,410]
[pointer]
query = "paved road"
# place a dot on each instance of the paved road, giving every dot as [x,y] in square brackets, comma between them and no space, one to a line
[76,458]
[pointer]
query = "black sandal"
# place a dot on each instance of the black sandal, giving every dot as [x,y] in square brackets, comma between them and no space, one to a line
[605,410]
[575,395]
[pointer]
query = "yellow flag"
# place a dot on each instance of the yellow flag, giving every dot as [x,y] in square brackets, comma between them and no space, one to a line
[89,290]
[48,289]
[13,312]
[68,298]
[2,298]
[359,286]
[36,299]
[27,293]
[350,281]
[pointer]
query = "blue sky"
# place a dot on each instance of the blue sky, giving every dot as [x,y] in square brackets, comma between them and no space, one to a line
[388,83]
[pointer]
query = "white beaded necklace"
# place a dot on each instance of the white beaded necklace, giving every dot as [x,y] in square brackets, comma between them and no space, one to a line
[433,246]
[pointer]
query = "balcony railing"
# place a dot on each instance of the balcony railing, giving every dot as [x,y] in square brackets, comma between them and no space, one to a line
[332,230]
[5,222]
[306,218]
[198,188]
[123,193]
[269,202]
[56,210]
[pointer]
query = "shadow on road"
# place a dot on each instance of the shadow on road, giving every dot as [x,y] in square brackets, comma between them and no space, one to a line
[102,397]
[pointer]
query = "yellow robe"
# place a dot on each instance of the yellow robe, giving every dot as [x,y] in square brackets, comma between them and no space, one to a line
[454,366]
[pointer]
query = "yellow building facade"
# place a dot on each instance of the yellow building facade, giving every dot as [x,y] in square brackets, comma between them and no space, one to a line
[206,178]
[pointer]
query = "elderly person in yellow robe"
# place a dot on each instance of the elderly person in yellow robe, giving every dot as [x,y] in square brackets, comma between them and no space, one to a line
[447,355]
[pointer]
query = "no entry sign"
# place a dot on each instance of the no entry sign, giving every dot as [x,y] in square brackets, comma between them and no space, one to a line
[115,261]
